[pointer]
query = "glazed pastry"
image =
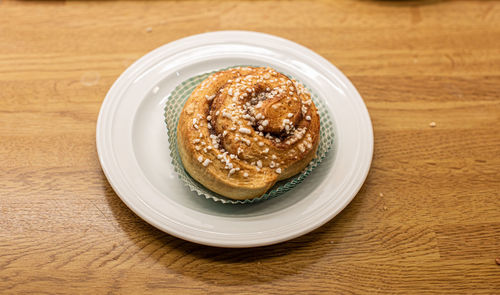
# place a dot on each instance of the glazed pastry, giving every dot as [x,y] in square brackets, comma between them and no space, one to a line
[244,129]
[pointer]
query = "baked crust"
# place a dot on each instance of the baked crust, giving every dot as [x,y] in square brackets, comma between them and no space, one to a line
[244,129]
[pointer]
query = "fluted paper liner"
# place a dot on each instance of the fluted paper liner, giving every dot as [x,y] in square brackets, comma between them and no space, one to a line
[173,108]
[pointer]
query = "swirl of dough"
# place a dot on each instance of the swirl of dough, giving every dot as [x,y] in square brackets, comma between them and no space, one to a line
[243,129]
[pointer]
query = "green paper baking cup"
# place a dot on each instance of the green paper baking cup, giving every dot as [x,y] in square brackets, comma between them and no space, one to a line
[173,108]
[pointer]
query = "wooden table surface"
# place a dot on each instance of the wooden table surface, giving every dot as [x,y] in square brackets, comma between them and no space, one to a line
[427,219]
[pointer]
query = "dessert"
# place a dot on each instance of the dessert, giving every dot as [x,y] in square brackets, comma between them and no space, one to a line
[243,129]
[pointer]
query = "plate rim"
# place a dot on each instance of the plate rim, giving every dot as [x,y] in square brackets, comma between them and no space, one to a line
[325,63]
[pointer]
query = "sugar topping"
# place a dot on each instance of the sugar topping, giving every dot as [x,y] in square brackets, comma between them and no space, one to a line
[258,99]
[244,130]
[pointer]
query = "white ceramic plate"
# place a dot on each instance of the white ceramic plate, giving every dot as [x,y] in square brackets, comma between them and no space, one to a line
[133,149]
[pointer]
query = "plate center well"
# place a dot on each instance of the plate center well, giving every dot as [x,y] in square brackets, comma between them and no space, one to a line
[151,148]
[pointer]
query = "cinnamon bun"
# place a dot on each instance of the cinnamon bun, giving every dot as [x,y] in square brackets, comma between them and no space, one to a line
[243,129]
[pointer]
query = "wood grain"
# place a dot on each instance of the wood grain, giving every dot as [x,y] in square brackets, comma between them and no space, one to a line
[435,229]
